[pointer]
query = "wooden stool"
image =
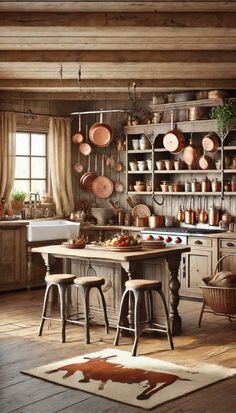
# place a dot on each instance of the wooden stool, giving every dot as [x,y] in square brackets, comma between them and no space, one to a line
[62,281]
[138,287]
[85,284]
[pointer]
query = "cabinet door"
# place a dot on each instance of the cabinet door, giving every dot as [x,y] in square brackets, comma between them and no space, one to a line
[198,265]
[12,258]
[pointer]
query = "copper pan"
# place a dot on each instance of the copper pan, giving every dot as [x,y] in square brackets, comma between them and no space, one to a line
[191,155]
[211,142]
[85,147]
[87,179]
[78,136]
[100,134]
[102,186]
[205,162]
[78,166]
[174,140]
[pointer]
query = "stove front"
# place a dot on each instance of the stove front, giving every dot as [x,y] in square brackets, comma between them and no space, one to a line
[163,234]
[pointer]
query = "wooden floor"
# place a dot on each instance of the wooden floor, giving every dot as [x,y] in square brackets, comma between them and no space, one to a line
[21,348]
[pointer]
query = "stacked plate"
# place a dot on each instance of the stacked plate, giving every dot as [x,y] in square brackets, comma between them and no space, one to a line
[154,244]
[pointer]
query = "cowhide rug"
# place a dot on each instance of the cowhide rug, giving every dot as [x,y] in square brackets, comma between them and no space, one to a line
[139,381]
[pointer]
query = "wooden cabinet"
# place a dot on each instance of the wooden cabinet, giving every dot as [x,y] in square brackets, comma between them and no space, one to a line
[12,257]
[226,247]
[197,264]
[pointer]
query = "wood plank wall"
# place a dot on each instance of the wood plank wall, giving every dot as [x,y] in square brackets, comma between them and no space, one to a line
[116,121]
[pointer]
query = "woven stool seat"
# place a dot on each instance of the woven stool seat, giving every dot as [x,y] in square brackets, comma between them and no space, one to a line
[143,284]
[60,278]
[90,281]
[141,288]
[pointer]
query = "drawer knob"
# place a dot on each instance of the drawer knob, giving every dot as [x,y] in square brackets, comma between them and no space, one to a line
[198,242]
[230,244]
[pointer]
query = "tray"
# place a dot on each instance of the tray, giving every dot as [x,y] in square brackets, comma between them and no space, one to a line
[118,249]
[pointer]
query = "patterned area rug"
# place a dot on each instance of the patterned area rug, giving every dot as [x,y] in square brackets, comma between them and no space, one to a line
[139,381]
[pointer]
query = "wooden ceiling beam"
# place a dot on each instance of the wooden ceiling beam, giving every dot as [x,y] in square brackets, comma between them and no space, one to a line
[117,84]
[118,6]
[105,32]
[147,19]
[95,43]
[63,56]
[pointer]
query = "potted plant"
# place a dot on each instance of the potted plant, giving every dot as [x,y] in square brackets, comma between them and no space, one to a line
[17,199]
[224,115]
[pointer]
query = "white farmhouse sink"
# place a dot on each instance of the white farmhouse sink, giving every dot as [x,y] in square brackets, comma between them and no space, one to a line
[44,230]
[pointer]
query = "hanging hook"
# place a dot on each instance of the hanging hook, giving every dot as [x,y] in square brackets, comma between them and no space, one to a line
[61,72]
[158,203]
[79,74]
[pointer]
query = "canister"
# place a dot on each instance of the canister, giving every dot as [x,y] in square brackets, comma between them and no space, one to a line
[187,186]
[206,185]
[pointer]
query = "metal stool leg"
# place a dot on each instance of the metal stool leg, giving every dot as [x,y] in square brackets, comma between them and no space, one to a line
[86,291]
[116,341]
[201,314]
[137,298]
[61,292]
[150,306]
[104,309]
[44,311]
[169,335]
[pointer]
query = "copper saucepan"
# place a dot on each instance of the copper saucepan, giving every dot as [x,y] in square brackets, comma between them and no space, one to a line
[78,136]
[100,134]
[85,147]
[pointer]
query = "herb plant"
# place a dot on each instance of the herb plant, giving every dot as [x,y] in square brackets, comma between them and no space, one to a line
[224,115]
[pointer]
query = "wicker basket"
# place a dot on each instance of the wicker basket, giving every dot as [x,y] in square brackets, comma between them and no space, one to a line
[221,300]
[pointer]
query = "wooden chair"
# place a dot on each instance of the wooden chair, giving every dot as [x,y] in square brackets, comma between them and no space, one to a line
[139,287]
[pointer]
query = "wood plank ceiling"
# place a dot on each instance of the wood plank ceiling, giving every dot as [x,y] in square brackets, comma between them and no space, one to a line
[85,49]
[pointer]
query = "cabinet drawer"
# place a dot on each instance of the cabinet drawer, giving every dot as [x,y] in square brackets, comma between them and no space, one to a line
[228,243]
[199,242]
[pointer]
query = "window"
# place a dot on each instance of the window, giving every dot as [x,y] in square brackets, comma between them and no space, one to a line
[31,165]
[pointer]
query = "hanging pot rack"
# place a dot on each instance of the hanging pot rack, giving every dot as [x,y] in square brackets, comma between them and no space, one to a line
[88,112]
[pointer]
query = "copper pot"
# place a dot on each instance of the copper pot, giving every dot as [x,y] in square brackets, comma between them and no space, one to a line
[155,221]
[211,142]
[198,113]
[191,155]
[174,141]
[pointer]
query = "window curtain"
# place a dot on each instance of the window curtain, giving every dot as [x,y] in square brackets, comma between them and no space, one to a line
[59,157]
[7,153]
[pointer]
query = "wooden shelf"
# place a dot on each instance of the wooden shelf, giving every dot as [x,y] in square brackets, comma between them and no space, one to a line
[160,107]
[154,129]
[183,193]
[140,151]
[139,172]
[187,171]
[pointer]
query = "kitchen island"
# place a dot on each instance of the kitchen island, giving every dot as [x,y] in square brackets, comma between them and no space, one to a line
[118,266]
